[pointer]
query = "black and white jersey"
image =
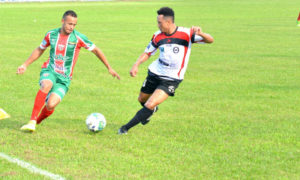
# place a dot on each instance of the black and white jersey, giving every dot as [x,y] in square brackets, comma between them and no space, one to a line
[175,50]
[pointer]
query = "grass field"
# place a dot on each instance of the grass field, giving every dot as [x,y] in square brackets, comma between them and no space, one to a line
[235,116]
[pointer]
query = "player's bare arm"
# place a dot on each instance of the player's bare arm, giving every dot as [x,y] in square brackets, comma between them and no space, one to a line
[206,37]
[102,57]
[143,57]
[33,57]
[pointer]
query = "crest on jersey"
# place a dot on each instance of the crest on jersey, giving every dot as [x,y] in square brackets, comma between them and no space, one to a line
[176,50]
[61,47]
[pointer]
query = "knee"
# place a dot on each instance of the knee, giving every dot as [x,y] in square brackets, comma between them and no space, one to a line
[46,86]
[141,100]
[50,105]
[150,105]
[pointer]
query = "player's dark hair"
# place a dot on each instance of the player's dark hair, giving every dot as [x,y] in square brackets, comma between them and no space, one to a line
[69,13]
[167,12]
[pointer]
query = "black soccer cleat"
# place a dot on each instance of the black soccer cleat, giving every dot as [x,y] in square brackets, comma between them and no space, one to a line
[122,130]
[144,122]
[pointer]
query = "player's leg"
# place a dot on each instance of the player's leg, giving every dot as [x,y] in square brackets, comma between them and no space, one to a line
[148,87]
[143,114]
[165,88]
[48,109]
[40,98]
[45,86]
[143,97]
[55,96]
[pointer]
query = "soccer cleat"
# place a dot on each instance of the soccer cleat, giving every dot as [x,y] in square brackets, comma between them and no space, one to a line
[147,120]
[30,126]
[122,130]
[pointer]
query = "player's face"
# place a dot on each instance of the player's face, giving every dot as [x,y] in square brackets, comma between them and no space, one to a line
[68,24]
[163,24]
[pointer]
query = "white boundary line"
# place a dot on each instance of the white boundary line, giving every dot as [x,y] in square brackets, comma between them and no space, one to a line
[30,167]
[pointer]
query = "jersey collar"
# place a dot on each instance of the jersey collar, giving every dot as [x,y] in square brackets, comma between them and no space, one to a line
[172,32]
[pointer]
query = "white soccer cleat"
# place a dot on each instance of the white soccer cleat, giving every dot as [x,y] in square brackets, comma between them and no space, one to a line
[30,126]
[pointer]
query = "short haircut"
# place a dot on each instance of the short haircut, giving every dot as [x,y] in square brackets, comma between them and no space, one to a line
[69,13]
[167,12]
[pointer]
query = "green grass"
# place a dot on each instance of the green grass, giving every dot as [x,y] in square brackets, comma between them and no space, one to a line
[235,116]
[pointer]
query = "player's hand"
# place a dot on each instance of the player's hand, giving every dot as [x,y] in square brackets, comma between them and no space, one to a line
[134,71]
[197,30]
[114,73]
[21,69]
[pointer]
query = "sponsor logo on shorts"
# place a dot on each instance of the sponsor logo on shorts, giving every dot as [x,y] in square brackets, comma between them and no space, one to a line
[46,74]
[171,89]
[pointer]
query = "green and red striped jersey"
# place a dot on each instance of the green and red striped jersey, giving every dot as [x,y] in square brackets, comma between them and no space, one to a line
[64,50]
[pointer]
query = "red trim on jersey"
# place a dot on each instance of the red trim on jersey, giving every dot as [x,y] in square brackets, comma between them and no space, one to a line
[178,35]
[61,45]
[82,43]
[45,64]
[149,53]
[60,50]
[47,39]
[182,65]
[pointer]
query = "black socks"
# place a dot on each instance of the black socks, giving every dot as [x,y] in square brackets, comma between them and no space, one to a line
[142,115]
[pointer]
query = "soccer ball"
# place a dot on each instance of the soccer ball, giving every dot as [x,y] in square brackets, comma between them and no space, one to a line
[95,122]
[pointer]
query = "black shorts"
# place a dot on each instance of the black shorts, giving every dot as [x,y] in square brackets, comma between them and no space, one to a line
[154,81]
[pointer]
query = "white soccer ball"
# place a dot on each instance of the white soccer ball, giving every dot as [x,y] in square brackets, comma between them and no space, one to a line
[95,122]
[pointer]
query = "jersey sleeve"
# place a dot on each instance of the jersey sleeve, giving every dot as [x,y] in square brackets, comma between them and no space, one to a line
[152,47]
[85,42]
[46,41]
[197,39]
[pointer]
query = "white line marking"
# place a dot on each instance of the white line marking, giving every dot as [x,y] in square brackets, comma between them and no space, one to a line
[30,167]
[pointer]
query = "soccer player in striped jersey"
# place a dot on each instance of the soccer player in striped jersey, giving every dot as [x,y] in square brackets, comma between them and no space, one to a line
[57,71]
[166,72]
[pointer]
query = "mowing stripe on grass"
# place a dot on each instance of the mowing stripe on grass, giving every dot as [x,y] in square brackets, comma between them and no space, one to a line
[30,167]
